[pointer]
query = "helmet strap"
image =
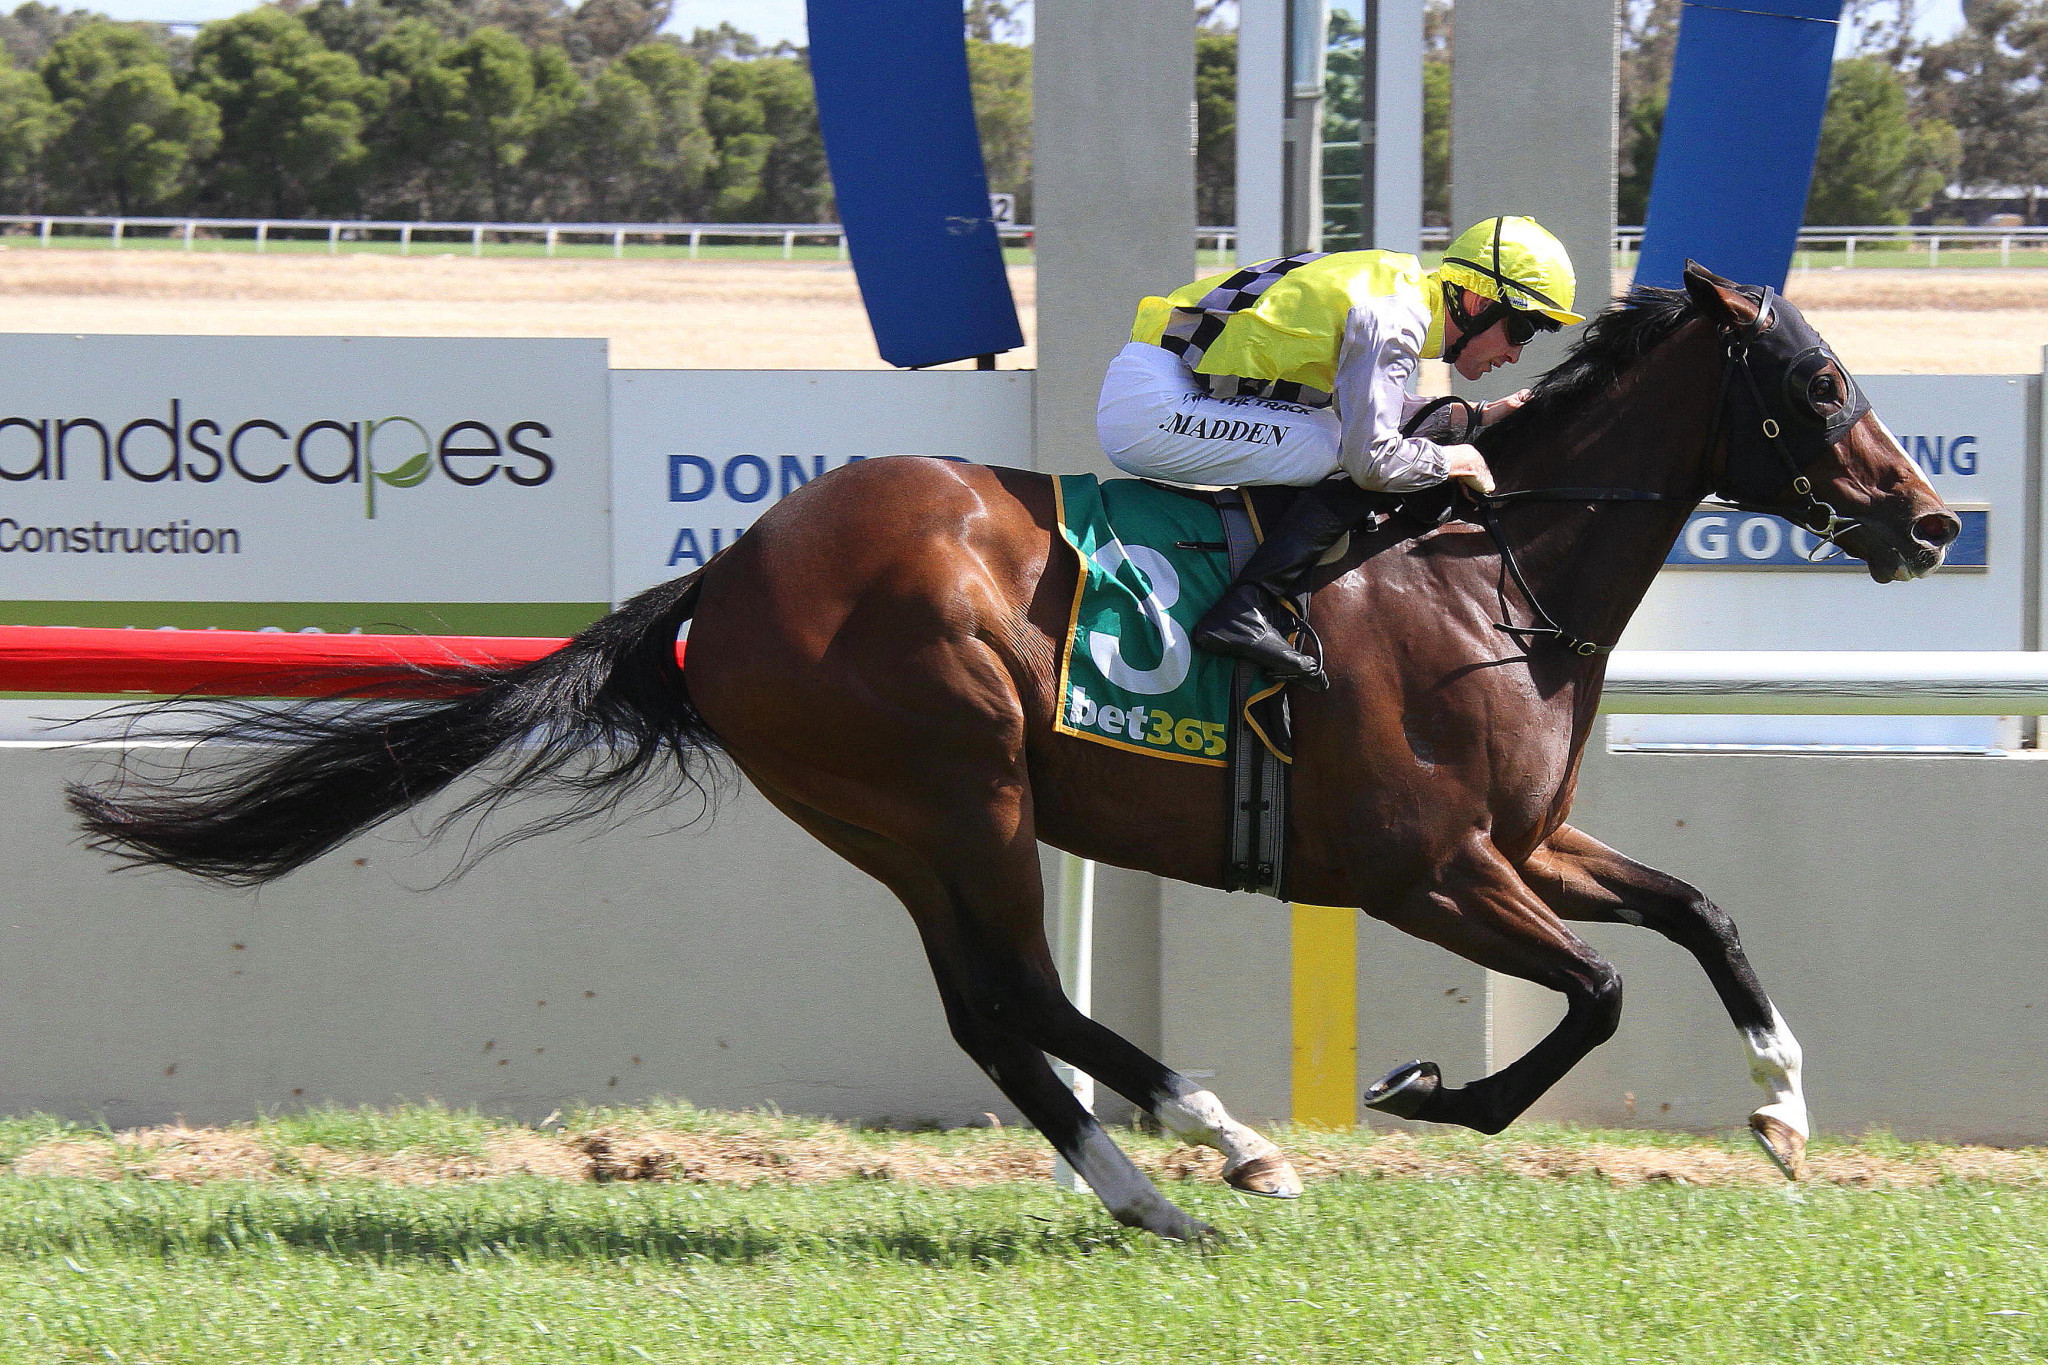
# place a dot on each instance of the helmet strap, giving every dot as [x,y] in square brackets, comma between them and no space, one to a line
[1470,328]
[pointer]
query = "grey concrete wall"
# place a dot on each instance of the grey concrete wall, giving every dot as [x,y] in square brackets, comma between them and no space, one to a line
[1113,196]
[736,966]
[1533,131]
[1893,907]
[1226,996]
[1226,1001]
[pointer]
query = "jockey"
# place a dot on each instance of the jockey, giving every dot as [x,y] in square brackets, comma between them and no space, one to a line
[1293,370]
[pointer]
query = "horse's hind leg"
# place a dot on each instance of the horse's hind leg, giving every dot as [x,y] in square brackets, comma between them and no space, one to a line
[1012,954]
[1581,878]
[978,906]
[1480,908]
[1251,1161]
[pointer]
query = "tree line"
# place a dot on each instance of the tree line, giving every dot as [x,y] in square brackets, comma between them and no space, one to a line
[525,110]
[1896,130]
[512,110]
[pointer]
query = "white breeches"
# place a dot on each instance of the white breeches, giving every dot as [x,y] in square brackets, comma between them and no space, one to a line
[1158,422]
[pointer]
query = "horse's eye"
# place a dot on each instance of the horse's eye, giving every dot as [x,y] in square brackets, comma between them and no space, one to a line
[1825,390]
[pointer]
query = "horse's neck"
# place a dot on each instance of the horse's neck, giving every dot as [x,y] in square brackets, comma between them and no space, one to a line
[1590,564]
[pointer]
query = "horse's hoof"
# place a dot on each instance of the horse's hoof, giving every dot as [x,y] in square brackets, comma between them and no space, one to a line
[1405,1091]
[1163,1218]
[1782,1143]
[1270,1176]
[1182,1228]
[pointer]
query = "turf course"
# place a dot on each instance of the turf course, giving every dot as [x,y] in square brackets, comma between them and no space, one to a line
[1487,1265]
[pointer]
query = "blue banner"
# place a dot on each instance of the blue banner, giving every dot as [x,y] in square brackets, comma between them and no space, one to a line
[1749,84]
[1754,540]
[898,122]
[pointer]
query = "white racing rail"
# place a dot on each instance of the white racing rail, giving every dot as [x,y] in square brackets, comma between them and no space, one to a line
[1829,683]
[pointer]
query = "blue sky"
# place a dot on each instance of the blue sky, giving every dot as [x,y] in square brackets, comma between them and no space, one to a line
[770,20]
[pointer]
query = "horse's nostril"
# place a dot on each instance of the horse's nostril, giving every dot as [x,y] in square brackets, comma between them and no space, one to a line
[1937,529]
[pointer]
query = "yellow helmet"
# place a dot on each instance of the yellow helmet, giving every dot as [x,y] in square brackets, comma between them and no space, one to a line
[1517,262]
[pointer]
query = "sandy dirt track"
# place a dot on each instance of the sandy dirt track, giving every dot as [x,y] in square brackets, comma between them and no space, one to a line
[1929,321]
[773,1153]
[657,315]
[802,315]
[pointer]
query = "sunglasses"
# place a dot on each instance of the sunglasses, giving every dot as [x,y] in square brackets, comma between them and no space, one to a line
[1521,327]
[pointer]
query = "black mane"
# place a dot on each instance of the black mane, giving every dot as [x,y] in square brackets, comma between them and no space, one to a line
[1615,340]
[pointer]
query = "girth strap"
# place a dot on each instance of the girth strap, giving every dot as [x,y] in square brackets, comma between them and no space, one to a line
[1256,780]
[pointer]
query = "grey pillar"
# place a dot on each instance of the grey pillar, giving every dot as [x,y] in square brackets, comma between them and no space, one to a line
[1113,181]
[1308,37]
[1396,221]
[1533,131]
[1261,130]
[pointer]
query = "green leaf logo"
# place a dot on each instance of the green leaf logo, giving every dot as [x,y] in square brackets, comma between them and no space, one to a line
[409,474]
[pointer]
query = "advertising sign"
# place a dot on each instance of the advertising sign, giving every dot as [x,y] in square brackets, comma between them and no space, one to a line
[698,455]
[1740,581]
[1754,540]
[295,483]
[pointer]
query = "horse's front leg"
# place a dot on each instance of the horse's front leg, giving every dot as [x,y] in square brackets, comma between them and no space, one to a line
[1479,907]
[1582,879]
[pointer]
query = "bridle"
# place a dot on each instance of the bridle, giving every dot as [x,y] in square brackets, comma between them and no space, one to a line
[1759,471]
[1802,359]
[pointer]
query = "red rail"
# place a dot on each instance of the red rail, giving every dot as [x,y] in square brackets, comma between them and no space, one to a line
[242,663]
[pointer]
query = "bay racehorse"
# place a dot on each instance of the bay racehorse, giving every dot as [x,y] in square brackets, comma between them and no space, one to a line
[879,656]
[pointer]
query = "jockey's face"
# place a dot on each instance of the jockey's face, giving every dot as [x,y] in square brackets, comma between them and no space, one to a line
[1490,349]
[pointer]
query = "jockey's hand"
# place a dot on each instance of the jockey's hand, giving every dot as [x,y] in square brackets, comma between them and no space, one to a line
[1468,466]
[1489,413]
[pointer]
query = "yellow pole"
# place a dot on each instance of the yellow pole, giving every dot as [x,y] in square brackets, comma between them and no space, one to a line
[1326,1015]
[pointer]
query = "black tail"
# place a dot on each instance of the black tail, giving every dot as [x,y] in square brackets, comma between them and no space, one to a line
[592,721]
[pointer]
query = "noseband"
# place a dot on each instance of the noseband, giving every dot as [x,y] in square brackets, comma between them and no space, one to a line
[1758,471]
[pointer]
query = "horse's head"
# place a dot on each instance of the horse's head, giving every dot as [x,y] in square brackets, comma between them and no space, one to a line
[1802,442]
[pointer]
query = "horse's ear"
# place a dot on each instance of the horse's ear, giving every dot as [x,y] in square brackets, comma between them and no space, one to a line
[1721,301]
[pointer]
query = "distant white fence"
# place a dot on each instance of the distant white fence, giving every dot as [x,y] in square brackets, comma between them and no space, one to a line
[340,233]
[343,233]
[1848,238]
[1925,239]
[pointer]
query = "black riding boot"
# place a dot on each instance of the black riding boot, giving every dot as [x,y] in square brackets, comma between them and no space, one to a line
[1248,621]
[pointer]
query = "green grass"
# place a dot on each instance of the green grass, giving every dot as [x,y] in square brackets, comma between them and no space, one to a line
[429,1127]
[1495,1270]
[1489,1267]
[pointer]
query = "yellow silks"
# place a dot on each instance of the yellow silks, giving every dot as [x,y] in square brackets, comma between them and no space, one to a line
[1293,331]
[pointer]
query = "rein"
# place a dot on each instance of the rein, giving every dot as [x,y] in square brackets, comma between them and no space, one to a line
[1815,516]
